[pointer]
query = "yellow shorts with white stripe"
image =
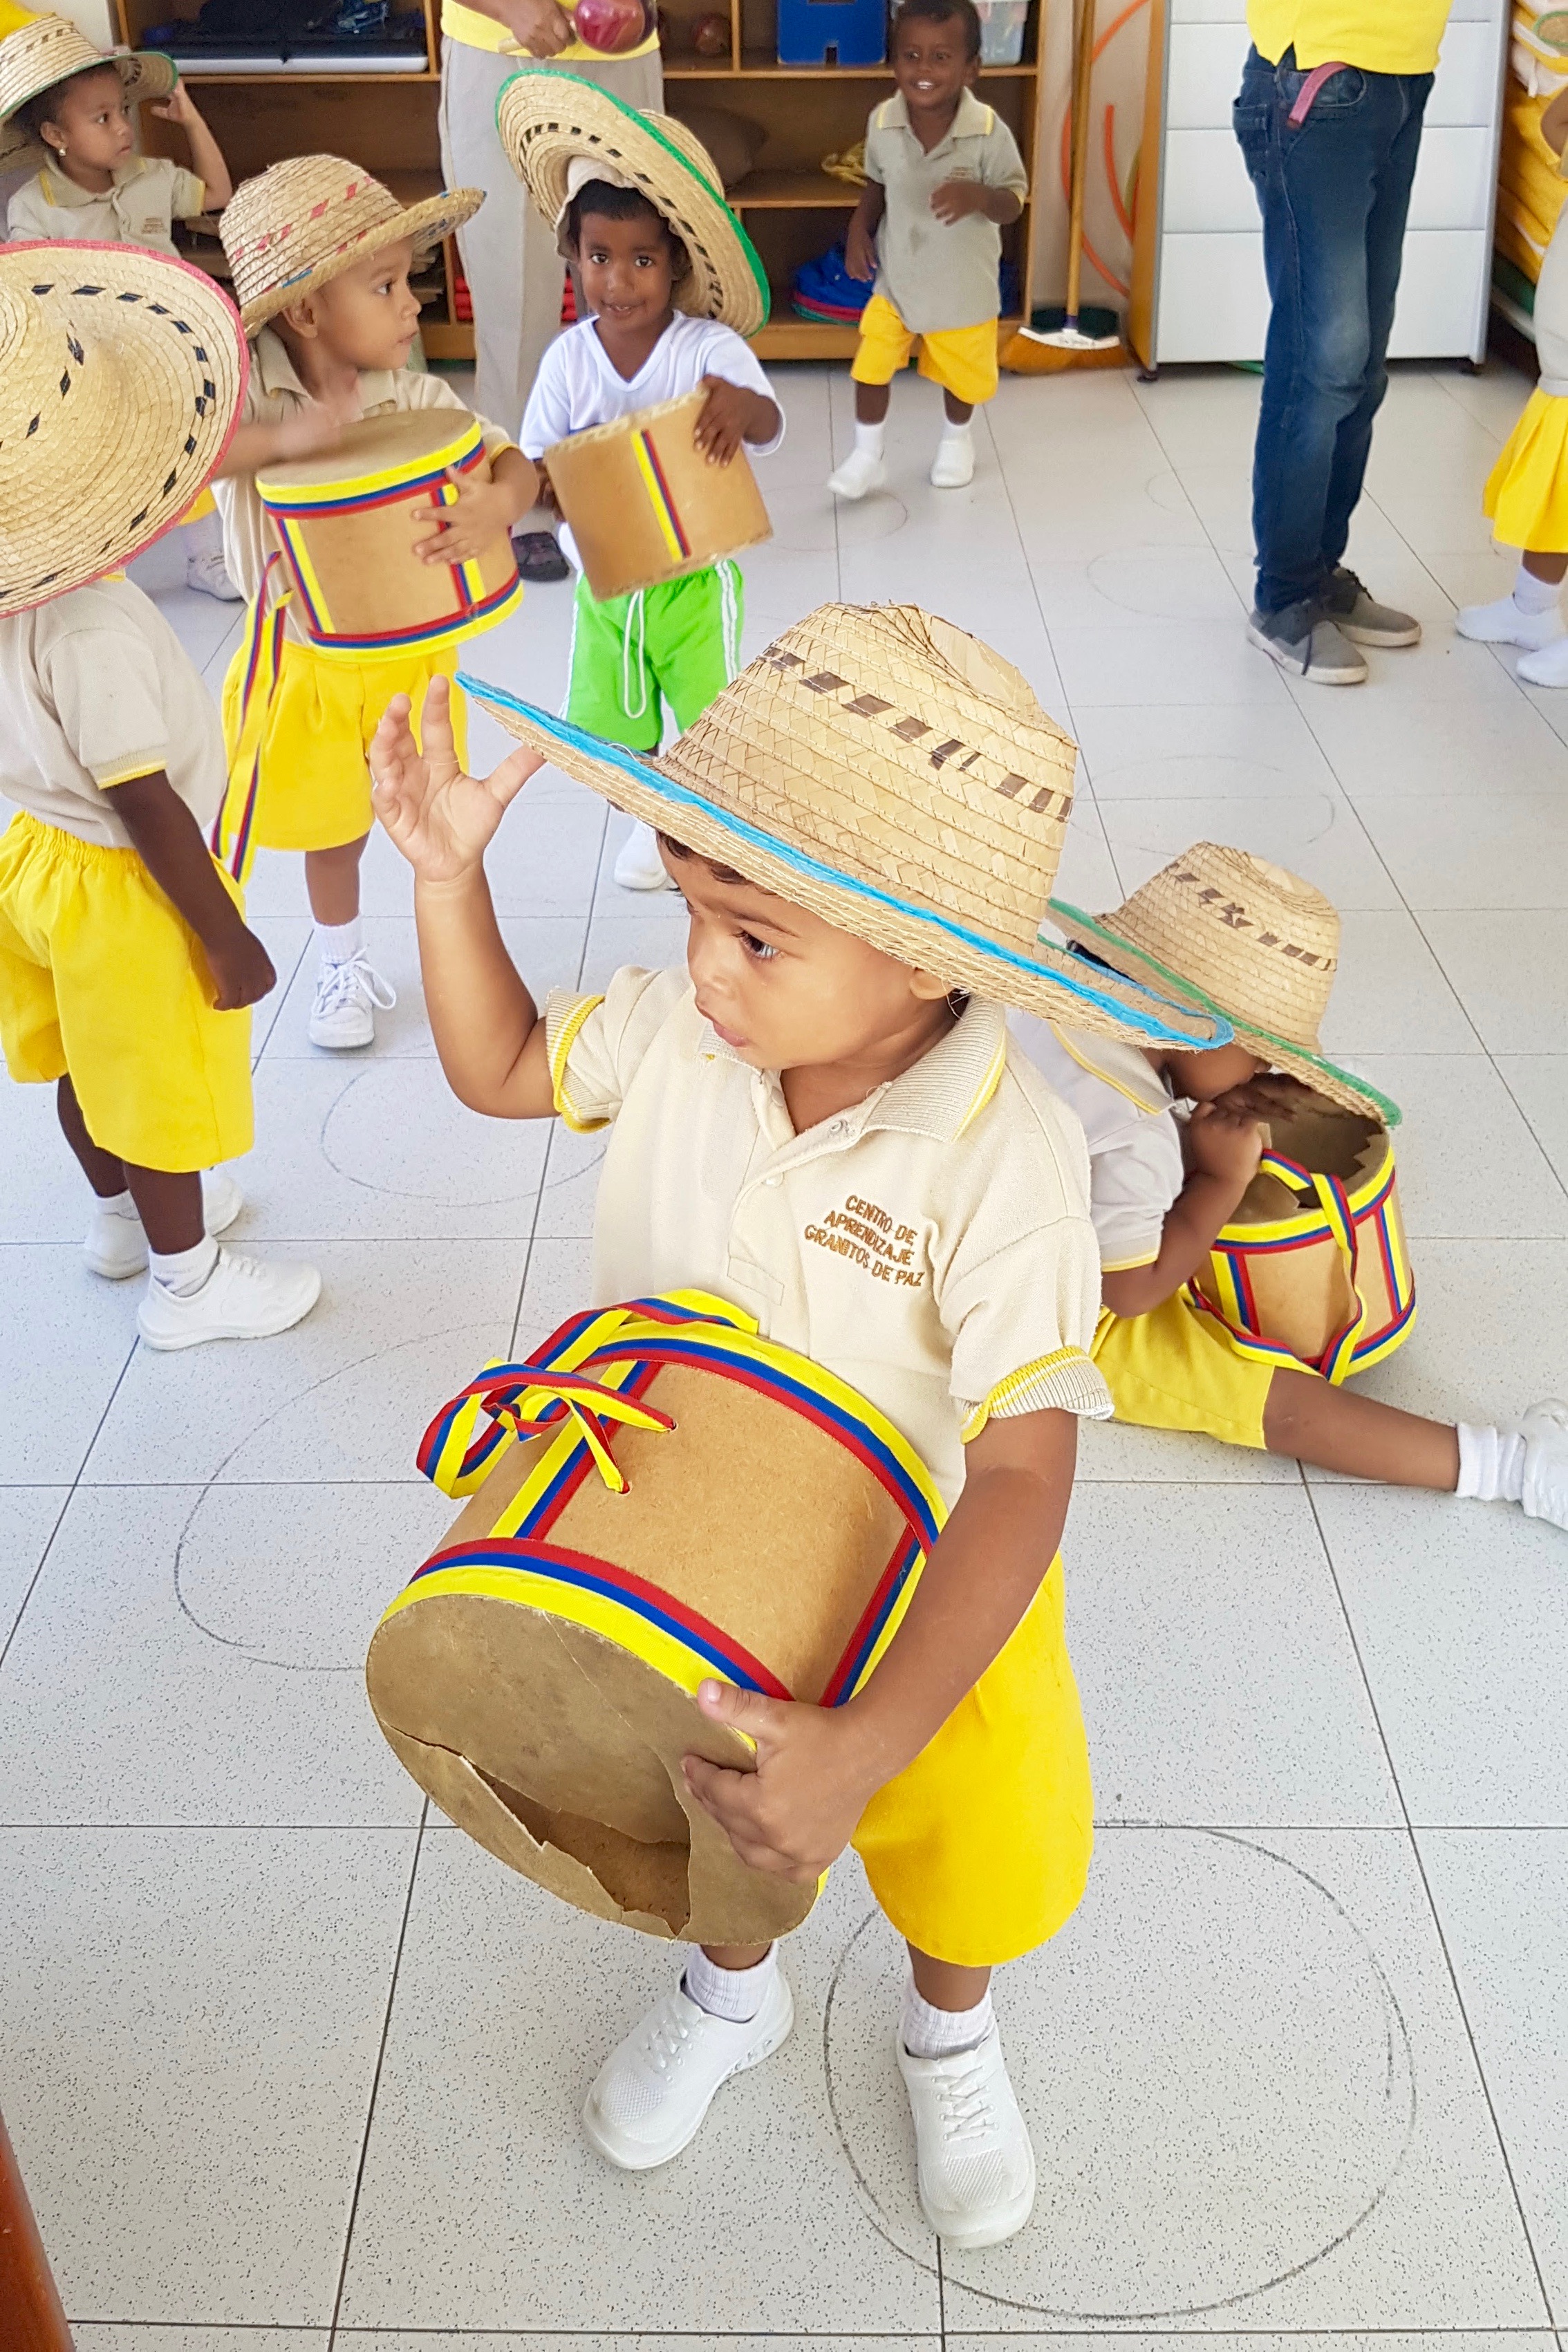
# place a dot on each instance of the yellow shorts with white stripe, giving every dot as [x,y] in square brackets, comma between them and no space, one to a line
[1177,1368]
[979,1850]
[307,785]
[99,977]
[962,360]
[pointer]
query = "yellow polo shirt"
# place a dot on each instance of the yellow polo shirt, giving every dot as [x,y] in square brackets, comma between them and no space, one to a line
[933,1246]
[477,31]
[1392,37]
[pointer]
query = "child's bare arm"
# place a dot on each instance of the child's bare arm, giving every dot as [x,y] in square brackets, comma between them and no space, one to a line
[206,155]
[309,428]
[1224,1147]
[487,1029]
[167,839]
[818,1767]
[861,236]
[1554,122]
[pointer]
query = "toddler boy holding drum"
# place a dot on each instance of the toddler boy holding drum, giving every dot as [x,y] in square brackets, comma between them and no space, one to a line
[321,255]
[821,1119]
[1261,945]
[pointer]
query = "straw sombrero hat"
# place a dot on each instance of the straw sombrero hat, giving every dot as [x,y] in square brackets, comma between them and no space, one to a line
[550,120]
[121,373]
[50,49]
[310,217]
[1236,936]
[893,775]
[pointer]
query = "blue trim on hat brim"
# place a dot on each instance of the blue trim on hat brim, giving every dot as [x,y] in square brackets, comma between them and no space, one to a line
[676,796]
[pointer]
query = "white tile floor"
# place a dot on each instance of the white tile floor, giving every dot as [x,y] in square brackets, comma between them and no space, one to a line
[287,2061]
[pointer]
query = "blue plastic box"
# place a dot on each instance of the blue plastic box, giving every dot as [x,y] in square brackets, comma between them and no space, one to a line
[833,32]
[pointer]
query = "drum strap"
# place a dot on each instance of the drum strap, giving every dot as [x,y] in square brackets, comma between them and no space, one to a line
[232,840]
[1338,1357]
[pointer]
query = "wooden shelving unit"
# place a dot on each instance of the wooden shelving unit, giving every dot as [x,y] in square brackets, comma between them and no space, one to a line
[791,208]
[385,121]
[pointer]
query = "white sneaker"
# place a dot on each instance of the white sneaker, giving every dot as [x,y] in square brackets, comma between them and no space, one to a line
[975,2163]
[653,2091]
[953,464]
[640,866]
[348,997]
[208,575]
[242,1298]
[861,473]
[116,1247]
[1545,1429]
[1503,623]
[1548,663]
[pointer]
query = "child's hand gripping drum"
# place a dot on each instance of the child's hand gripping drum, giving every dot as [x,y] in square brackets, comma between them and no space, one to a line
[660,1498]
[1313,1268]
[644,503]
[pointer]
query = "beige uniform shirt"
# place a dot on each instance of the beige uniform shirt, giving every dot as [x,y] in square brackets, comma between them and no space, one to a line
[95,688]
[147,193]
[933,1246]
[275,393]
[939,273]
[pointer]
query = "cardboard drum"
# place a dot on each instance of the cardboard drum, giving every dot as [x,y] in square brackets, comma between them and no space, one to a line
[658,1496]
[1313,1268]
[344,519]
[645,505]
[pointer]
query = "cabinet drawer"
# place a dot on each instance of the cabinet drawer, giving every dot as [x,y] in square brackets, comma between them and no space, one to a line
[1453,179]
[1206,186]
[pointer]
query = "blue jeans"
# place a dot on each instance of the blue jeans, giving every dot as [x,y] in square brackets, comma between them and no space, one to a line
[1333,195]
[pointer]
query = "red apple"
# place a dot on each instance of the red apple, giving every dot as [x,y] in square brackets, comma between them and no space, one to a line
[611,27]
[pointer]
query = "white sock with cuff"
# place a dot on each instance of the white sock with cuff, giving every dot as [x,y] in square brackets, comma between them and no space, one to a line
[341,942]
[1491,1464]
[117,1204]
[930,2033]
[951,432]
[736,1994]
[872,437]
[1532,595]
[182,1272]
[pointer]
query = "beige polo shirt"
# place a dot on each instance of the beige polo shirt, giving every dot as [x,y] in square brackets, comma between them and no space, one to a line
[96,688]
[148,195]
[938,273]
[274,395]
[933,1246]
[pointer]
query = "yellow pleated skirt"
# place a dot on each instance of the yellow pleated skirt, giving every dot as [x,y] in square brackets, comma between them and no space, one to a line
[1526,496]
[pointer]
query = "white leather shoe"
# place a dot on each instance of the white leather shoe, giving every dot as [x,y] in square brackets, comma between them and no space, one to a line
[1503,623]
[975,2163]
[242,1298]
[952,468]
[348,997]
[640,866]
[859,475]
[653,2091]
[1545,1429]
[208,575]
[116,1247]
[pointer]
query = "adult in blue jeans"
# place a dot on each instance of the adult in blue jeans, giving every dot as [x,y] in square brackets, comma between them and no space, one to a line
[1329,121]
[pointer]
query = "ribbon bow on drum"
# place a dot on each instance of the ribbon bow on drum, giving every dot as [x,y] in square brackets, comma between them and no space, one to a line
[660,1496]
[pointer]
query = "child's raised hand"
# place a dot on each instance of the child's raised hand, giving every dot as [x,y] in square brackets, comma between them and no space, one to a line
[797,1812]
[440,819]
[1223,1143]
[311,428]
[177,107]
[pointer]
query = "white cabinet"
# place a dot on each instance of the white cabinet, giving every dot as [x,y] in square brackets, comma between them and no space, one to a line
[1210,301]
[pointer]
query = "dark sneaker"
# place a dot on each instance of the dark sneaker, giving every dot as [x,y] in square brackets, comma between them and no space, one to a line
[539,556]
[1304,639]
[1362,619]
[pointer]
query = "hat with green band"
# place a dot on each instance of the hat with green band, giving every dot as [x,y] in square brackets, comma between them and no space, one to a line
[551,120]
[1244,941]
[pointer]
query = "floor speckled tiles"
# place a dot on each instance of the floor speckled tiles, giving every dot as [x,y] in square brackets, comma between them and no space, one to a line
[291,2066]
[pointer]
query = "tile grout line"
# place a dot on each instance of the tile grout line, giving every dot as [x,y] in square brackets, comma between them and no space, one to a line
[375,2078]
[1448,1964]
[1530,1127]
[70,1495]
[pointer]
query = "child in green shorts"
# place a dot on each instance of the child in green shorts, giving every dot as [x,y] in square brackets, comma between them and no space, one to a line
[660,326]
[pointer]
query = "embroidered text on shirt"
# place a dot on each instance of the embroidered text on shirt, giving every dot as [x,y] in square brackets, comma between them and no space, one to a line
[866,1235]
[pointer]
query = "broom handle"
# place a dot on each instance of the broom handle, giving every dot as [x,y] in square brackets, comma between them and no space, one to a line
[1083,76]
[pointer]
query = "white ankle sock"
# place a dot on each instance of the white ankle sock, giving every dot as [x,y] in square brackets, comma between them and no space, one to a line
[182,1273]
[118,1204]
[928,2032]
[870,438]
[737,1994]
[951,432]
[1491,1464]
[341,942]
[1534,595]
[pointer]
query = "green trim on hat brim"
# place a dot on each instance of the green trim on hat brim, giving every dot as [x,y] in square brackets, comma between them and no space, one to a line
[1388,1109]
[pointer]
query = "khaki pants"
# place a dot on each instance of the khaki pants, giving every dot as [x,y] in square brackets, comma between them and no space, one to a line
[509,260]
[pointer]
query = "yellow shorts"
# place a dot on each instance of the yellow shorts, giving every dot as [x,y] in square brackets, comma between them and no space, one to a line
[1177,1368]
[99,977]
[1525,494]
[962,360]
[296,742]
[979,1850]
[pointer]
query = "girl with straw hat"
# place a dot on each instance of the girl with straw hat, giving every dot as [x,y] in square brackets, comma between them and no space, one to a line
[672,286]
[1237,936]
[93,187]
[321,255]
[821,1119]
[126,968]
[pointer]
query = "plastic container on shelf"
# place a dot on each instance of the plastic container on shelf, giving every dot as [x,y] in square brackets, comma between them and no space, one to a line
[1002,25]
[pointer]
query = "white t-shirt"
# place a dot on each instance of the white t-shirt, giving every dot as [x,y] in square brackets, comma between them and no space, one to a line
[577,386]
[1124,1106]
